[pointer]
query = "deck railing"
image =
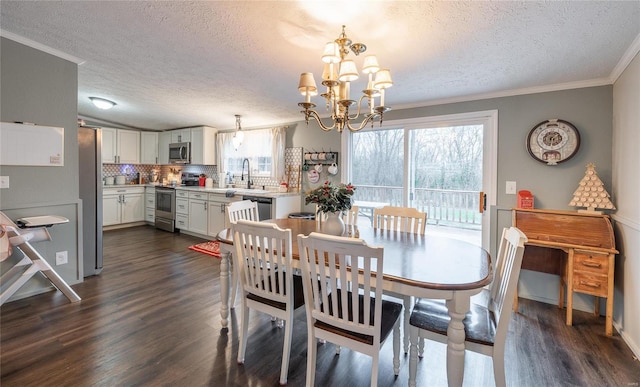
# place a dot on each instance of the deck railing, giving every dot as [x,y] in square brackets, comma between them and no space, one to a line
[447,207]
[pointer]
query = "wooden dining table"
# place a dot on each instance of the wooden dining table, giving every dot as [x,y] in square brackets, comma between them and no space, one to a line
[424,266]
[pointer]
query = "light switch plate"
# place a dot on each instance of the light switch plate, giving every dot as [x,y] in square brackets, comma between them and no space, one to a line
[61,258]
[4,181]
[511,188]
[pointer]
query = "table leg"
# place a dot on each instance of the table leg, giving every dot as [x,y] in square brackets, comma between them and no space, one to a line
[413,354]
[224,287]
[458,308]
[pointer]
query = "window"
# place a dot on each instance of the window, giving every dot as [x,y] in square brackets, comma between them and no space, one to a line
[264,148]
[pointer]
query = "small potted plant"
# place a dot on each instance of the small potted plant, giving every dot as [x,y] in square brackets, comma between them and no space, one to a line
[332,200]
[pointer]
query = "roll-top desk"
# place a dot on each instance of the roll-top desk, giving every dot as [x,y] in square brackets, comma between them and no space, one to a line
[587,242]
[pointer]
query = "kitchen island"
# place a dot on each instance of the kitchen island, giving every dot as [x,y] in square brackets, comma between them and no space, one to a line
[201,211]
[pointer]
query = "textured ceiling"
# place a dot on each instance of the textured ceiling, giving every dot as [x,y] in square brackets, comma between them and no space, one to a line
[178,64]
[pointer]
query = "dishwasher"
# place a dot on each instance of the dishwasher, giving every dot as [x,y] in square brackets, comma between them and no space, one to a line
[264,205]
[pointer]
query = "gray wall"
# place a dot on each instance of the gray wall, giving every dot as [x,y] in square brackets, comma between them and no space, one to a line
[42,89]
[589,109]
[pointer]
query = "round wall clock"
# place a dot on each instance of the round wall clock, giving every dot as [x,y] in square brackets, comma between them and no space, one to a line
[553,141]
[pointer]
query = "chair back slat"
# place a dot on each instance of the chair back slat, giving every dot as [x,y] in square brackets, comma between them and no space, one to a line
[336,268]
[263,256]
[403,219]
[506,274]
[349,216]
[244,209]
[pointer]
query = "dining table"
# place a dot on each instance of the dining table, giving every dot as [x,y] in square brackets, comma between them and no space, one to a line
[424,266]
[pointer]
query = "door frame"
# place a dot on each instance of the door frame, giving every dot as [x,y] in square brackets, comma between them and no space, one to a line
[488,118]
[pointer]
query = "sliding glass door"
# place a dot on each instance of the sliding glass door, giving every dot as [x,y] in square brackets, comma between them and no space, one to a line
[443,166]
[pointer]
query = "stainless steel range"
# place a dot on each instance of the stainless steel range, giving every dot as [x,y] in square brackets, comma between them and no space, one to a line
[166,208]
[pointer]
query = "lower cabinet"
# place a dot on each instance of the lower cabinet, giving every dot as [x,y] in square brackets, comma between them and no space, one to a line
[122,205]
[182,210]
[150,205]
[198,212]
[217,215]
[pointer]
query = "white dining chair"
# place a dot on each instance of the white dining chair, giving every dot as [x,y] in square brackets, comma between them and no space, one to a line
[349,216]
[244,209]
[404,219]
[263,259]
[485,325]
[361,320]
[247,210]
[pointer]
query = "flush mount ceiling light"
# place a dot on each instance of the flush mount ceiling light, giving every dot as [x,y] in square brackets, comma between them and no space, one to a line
[239,134]
[337,76]
[102,103]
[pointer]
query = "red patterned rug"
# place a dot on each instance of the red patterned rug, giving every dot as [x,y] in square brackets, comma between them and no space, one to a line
[210,248]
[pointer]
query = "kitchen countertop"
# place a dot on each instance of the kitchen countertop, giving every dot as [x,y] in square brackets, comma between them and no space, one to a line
[123,186]
[238,191]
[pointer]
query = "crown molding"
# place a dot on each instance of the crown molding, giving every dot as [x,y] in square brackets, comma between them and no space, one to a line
[510,93]
[626,59]
[41,47]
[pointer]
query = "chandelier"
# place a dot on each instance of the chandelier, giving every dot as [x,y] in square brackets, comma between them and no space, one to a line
[338,73]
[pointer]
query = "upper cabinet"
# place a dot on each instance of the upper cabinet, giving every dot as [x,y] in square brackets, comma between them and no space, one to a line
[149,148]
[203,145]
[120,146]
[164,139]
[181,135]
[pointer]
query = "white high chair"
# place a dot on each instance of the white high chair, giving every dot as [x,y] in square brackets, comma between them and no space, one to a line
[30,264]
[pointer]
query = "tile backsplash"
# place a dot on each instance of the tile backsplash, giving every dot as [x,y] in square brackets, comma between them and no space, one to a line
[293,162]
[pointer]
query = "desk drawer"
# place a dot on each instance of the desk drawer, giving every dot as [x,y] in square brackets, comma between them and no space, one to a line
[590,284]
[591,262]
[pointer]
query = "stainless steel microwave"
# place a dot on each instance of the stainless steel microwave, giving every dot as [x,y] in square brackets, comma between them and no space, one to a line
[180,153]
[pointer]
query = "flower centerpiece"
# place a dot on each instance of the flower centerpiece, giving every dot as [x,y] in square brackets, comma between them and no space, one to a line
[331,200]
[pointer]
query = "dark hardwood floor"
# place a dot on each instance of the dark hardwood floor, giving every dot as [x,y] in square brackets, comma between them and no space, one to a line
[152,318]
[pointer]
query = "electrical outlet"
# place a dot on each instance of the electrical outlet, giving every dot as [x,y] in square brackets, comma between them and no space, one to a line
[4,181]
[511,188]
[61,258]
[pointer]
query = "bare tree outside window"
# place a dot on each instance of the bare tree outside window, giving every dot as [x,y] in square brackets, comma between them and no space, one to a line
[445,170]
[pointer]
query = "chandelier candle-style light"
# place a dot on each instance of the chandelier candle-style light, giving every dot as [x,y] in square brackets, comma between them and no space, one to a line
[338,73]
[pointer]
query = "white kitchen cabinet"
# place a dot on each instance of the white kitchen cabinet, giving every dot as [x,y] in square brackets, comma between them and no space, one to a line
[120,146]
[181,135]
[217,213]
[111,210]
[203,145]
[148,148]
[198,212]
[133,208]
[123,205]
[182,209]
[150,205]
[109,142]
[164,139]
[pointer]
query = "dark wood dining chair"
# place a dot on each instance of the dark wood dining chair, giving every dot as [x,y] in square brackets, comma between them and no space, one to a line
[263,259]
[485,325]
[360,320]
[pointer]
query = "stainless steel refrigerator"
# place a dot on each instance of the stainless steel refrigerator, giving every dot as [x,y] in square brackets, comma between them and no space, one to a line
[90,175]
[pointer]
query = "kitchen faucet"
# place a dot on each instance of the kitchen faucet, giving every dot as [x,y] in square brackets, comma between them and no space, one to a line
[248,173]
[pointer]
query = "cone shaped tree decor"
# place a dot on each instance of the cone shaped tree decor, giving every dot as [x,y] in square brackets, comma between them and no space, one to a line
[591,193]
